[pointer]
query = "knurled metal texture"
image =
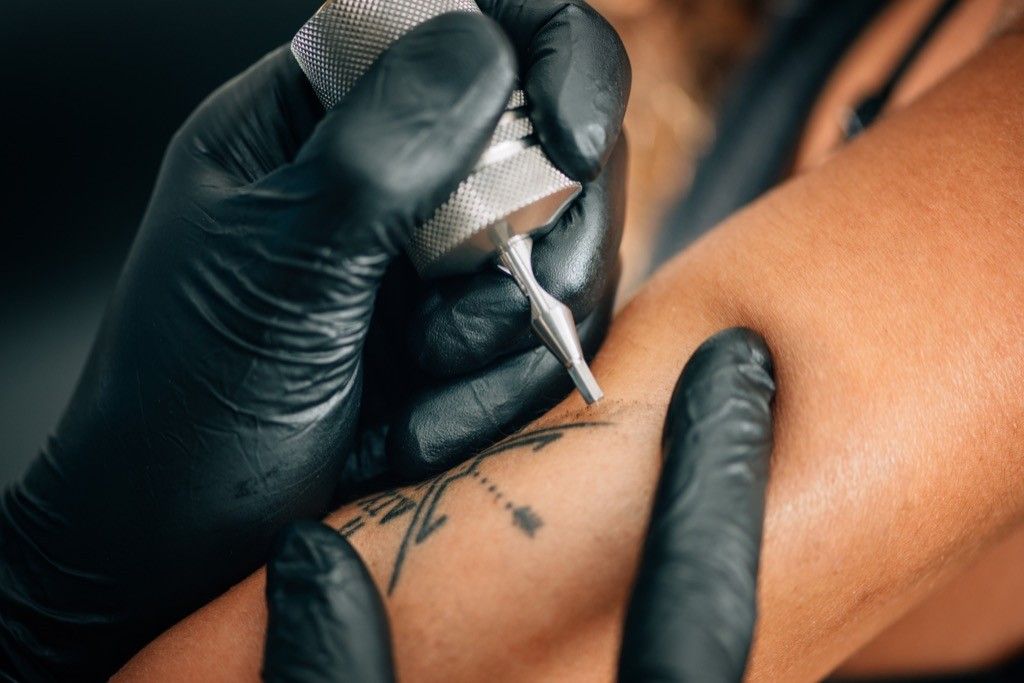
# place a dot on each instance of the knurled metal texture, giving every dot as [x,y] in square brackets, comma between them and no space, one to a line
[512,128]
[337,46]
[488,195]
[345,37]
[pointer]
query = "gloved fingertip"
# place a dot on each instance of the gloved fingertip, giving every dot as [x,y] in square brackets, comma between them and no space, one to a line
[425,441]
[579,87]
[452,421]
[578,147]
[277,66]
[326,616]
[302,550]
[735,346]
[284,61]
[455,59]
[468,322]
[272,100]
[732,364]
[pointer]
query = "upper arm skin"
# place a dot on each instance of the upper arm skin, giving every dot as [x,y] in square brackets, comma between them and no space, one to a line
[898,335]
[889,284]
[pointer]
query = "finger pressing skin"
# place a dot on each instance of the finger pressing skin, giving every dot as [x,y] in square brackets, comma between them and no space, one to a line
[469,322]
[447,423]
[577,77]
[326,618]
[693,608]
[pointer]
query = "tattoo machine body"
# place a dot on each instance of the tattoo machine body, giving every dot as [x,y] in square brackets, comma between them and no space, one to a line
[513,194]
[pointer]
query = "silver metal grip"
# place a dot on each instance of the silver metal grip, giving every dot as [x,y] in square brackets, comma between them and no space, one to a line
[514,190]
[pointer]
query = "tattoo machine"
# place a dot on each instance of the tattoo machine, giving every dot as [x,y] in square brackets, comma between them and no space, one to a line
[513,194]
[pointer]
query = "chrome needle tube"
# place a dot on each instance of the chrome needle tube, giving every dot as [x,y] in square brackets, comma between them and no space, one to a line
[551,320]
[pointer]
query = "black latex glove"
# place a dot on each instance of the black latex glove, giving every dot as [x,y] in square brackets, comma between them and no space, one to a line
[691,616]
[481,372]
[693,609]
[222,393]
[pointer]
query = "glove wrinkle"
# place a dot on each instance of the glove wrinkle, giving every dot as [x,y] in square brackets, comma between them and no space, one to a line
[692,613]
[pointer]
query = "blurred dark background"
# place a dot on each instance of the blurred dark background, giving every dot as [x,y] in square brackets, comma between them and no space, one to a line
[90,94]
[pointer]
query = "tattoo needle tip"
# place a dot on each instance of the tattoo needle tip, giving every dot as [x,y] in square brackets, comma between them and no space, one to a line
[551,319]
[584,380]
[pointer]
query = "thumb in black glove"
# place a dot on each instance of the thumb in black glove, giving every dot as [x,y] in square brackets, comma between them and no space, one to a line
[222,394]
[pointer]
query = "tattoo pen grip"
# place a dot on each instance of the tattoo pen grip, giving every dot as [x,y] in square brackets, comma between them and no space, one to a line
[514,192]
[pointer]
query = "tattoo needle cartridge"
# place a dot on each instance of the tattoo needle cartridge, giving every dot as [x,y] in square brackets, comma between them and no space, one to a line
[513,194]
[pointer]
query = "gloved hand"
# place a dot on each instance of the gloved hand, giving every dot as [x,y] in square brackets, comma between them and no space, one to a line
[693,608]
[222,394]
[468,370]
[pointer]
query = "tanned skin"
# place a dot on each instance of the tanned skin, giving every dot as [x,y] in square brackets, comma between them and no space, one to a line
[889,283]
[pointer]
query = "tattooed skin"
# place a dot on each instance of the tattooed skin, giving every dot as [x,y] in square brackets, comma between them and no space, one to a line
[422,508]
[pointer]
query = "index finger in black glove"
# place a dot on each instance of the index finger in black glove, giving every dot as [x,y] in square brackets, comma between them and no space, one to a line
[693,608]
[327,621]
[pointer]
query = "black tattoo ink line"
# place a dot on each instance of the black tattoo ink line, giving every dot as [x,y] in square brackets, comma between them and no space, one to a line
[523,517]
[396,568]
[394,502]
[351,526]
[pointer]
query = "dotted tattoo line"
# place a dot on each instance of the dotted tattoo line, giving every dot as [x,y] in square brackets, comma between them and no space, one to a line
[523,517]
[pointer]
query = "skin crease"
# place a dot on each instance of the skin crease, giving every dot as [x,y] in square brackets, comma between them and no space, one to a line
[899,417]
